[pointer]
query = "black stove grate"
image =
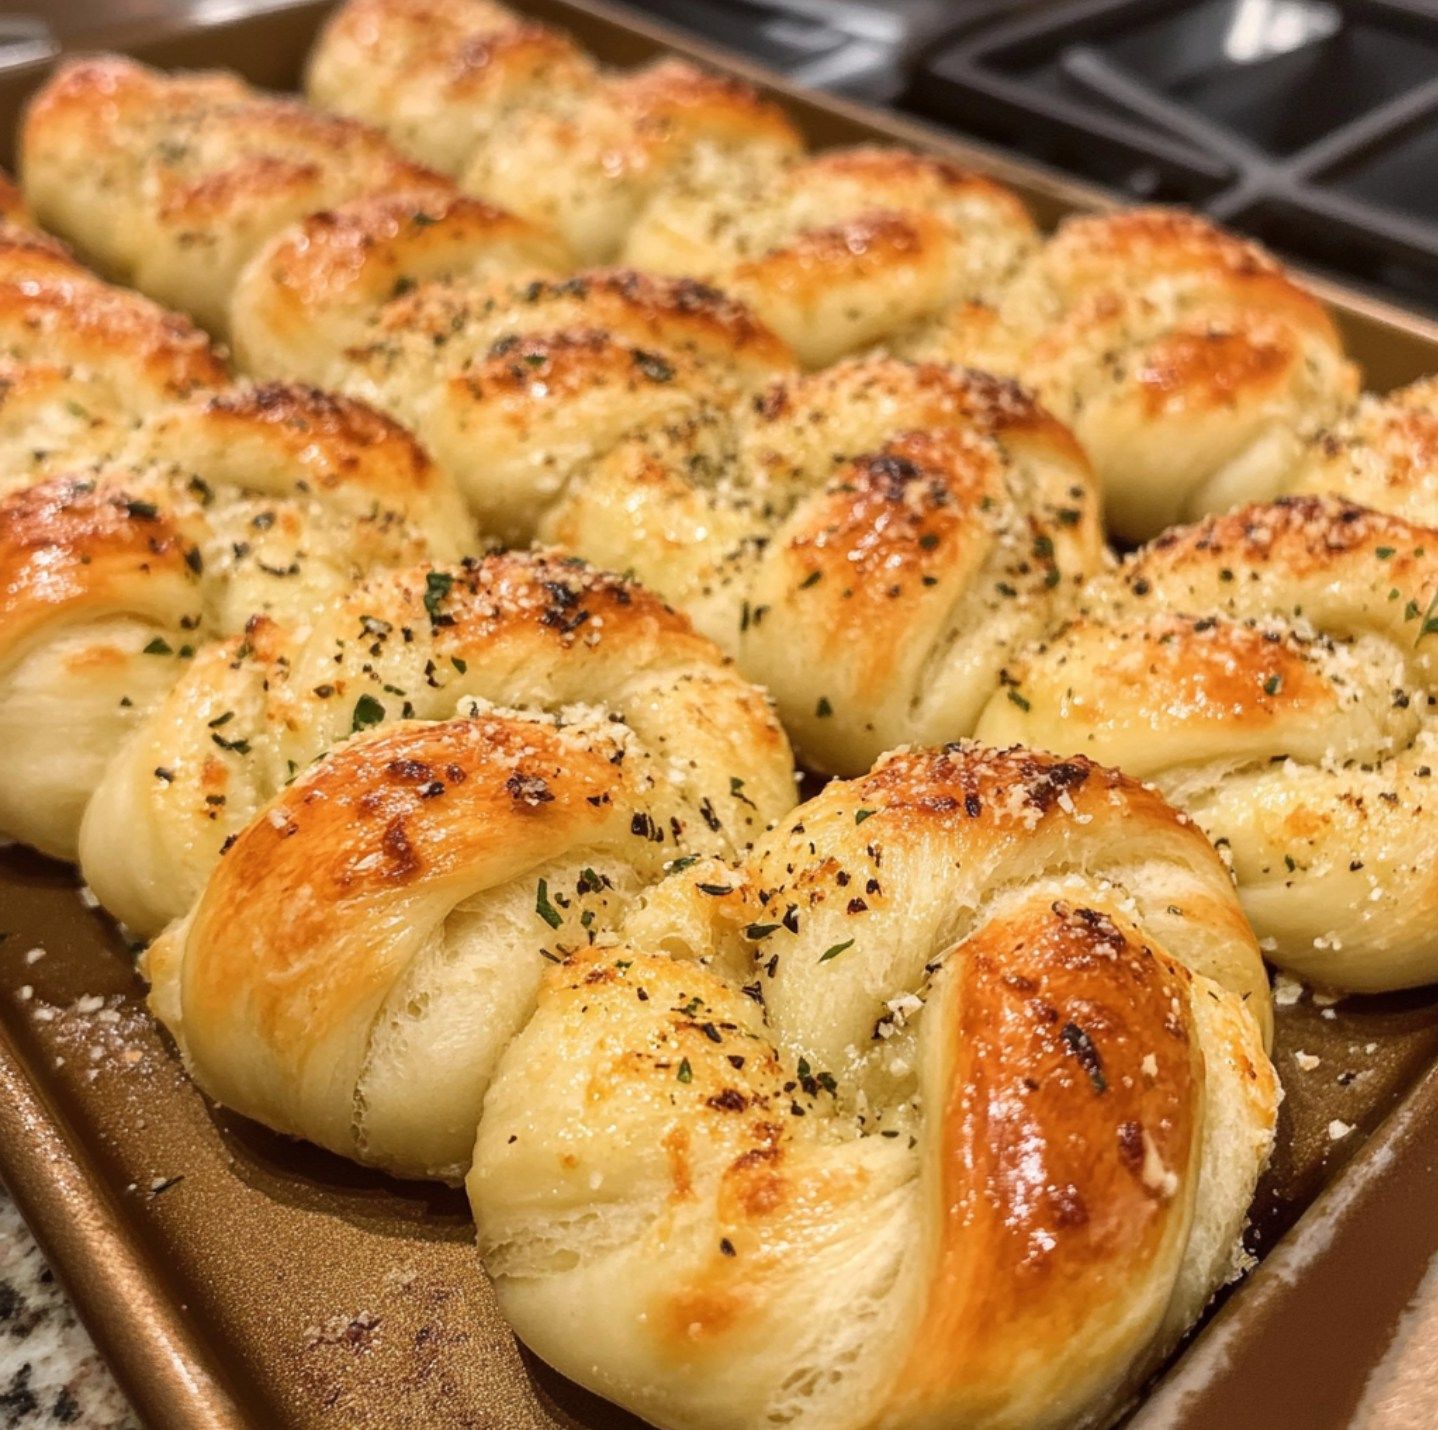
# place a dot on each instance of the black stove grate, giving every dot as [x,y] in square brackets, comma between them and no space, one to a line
[1311,124]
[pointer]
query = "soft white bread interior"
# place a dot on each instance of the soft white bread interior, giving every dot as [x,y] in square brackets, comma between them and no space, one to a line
[971,1049]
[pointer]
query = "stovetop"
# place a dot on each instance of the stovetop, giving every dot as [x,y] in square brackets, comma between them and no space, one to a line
[1310,124]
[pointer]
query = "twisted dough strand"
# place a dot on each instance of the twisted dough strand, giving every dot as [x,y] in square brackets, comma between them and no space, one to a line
[1383,454]
[871,542]
[998,1085]
[113,575]
[171,183]
[147,505]
[1273,671]
[1193,368]
[517,113]
[430,867]
[1187,361]
[81,360]
[533,632]
[844,249]
[514,383]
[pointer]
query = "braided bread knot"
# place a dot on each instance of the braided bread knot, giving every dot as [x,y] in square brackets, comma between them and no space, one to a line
[1187,361]
[841,250]
[273,500]
[871,542]
[1273,672]
[437,75]
[518,113]
[315,292]
[974,1043]
[81,360]
[1383,454]
[369,941]
[534,632]
[514,383]
[171,183]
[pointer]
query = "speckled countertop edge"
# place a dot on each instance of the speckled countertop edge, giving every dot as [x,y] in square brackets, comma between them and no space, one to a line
[50,1372]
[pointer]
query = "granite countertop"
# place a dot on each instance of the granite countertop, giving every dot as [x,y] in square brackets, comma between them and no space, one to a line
[50,1373]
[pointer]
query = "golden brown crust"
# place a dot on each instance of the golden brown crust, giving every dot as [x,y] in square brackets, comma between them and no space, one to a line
[963,1042]
[262,464]
[1384,454]
[675,313]
[516,384]
[586,159]
[873,245]
[1208,369]
[174,182]
[526,119]
[13,212]
[1097,249]
[672,100]
[409,805]
[1077,1073]
[1190,364]
[1271,669]
[166,528]
[71,547]
[306,297]
[1305,535]
[116,353]
[872,541]
[318,442]
[534,630]
[597,737]
[842,249]
[436,74]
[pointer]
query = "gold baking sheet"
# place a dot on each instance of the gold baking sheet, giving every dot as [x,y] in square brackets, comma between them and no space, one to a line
[236,1279]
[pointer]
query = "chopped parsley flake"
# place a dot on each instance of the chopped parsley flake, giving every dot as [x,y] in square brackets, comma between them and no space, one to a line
[437,586]
[544,908]
[368,711]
